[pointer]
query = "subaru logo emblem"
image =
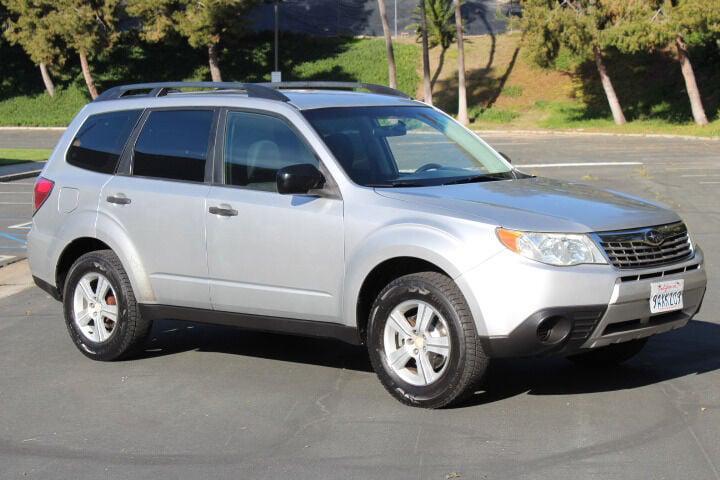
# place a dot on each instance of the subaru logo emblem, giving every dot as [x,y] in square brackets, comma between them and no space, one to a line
[654,238]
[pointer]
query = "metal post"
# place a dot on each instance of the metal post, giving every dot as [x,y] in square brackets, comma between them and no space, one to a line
[277,27]
[395,18]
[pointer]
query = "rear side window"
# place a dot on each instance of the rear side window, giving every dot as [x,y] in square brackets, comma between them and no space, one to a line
[174,145]
[99,142]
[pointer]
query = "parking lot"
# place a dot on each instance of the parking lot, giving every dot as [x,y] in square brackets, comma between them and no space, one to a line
[216,402]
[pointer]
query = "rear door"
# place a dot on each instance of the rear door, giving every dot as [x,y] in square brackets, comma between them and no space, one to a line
[271,254]
[159,200]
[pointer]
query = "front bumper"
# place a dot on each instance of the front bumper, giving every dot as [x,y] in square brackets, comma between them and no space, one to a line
[591,306]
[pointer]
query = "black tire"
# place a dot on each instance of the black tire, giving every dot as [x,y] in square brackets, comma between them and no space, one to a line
[466,363]
[130,329]
[609,355]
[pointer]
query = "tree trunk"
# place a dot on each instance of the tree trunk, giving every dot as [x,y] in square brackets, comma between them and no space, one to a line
[612,99]
[427,87]
[690,83]
[214,62]
[462,115]
[47,80]
[392,70]
[88,76]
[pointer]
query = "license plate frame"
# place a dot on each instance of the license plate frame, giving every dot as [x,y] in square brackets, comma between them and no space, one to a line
[666,296]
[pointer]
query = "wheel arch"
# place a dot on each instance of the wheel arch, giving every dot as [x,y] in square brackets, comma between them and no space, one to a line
[382,274]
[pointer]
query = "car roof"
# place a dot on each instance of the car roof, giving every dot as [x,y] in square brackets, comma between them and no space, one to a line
[297,95]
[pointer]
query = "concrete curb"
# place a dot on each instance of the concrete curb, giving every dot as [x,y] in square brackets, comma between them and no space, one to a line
[39,129]
[573,133]
[19,176]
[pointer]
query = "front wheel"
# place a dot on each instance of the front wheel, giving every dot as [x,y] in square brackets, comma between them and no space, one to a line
[610,354]
[423,343]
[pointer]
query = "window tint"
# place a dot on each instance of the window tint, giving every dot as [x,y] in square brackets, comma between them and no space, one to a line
[174,144]
[257,146]
[99,142]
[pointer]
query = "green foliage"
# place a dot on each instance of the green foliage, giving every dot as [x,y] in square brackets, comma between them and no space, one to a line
[491,115]
[565,115]
[440,16]
[42,110]
[359,62]
[697,22]
[512,91]
[9,156]
[86,26]
[30,24]
[202,23]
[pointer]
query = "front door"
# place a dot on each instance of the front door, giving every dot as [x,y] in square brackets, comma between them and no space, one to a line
[271,254]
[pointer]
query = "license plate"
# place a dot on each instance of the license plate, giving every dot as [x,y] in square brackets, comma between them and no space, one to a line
[666,296]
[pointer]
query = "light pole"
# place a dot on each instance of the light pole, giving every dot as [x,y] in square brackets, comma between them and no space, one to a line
[276,75]
[395,18]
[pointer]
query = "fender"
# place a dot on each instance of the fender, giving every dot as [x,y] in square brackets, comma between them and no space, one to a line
[428,243]
[116,237]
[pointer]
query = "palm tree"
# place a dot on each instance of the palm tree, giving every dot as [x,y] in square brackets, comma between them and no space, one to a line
[392,70]
[427,87]
[462,90]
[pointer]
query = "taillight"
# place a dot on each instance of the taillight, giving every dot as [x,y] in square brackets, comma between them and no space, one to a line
[43,188]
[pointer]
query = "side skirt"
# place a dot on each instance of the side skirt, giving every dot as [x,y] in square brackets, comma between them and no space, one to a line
[305,328]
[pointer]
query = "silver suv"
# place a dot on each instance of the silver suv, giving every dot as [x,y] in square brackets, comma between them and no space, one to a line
[316,209]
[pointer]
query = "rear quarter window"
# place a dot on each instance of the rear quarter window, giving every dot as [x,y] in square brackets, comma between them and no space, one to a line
[99,142]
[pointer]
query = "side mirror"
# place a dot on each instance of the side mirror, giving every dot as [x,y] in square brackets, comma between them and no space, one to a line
[505,157]
[299,179]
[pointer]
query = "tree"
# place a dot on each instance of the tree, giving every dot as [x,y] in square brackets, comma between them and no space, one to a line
[87,26]
[392,69]
[581,26]
[687,23]
[441,30]
[28,25]
[204,24]
[462,90]
[427,86]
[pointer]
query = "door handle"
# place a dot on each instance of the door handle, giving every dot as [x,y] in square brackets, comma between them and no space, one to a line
[119,199]
[223,211]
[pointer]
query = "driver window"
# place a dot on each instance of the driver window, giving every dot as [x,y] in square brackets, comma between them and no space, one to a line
[257,146]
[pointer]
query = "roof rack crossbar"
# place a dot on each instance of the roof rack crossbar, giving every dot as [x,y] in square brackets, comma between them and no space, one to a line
[159,89]
[371,87]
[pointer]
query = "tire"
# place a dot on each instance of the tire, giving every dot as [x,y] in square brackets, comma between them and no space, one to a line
[454,375]
[100,337]
[609,355]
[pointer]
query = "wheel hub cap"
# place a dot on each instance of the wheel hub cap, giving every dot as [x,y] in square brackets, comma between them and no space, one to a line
[416,342]
[95,310]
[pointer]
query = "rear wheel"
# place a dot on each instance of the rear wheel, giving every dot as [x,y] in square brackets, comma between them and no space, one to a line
[609,355]
[423,343]
[101,313]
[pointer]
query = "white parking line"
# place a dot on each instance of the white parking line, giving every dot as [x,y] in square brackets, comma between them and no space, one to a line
[6,257]
[583,164]
[22,226]
[15,203]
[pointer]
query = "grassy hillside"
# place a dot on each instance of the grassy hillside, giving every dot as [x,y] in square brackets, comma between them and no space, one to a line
[505,91]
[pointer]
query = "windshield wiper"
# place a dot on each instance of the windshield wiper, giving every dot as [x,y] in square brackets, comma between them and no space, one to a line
[485,177]
[397,183]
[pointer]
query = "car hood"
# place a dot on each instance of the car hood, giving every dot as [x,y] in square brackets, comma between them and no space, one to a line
[539,204]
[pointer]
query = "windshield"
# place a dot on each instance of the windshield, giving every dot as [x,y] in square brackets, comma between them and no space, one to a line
[405,147]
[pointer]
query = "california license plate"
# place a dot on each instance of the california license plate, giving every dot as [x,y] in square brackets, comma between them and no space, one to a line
[666,296]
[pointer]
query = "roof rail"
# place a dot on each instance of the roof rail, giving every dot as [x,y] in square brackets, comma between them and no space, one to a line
[371,87]
[159,89]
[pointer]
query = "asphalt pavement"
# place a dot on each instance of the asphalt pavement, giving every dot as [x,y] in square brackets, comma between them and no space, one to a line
[216,402]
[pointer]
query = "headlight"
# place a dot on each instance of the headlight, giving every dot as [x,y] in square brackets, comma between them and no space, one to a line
[562,249]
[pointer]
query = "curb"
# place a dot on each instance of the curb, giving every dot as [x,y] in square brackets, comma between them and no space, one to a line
[572,133]
[19,176]
[18,258]
[53,129]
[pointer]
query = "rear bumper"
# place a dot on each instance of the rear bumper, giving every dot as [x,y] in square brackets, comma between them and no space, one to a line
[626,316]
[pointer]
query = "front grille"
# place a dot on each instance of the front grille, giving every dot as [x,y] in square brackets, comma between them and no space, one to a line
[636,248]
